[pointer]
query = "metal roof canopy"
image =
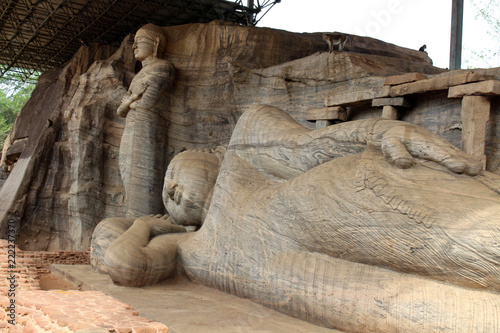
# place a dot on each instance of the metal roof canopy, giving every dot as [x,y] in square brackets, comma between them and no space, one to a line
[38,35]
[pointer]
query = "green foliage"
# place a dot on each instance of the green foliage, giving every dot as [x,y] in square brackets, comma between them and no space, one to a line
[482,48]
[489,13]
[13,95]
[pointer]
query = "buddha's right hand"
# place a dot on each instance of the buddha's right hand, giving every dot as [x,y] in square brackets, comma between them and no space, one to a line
[160,224]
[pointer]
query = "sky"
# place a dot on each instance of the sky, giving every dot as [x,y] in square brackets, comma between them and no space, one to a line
[408,23]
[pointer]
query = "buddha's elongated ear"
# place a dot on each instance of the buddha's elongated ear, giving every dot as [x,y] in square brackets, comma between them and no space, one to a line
[155,47]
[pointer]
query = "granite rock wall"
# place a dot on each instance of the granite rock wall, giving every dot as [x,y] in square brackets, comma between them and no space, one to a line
[221,69]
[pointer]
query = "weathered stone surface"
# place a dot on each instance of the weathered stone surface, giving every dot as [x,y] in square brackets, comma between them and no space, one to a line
[336,226]
[490,87]
[104,234]
[187,194]
[405,78]
[327,113]
[143,147]
[369,45]
[475,115]
[437,83]
[220,70]
[358,95]
[24,186]
[395,101]
[390,112]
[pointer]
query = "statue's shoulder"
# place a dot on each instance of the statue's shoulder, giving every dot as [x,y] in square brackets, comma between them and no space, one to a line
[161,65]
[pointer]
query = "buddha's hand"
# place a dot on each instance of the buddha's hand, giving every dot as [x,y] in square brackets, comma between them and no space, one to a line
[138,94]
[132,96]
[401,142]
[160,224]
[124,106]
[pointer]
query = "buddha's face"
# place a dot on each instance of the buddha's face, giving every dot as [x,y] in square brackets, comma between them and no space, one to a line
[188,186]
[143,46]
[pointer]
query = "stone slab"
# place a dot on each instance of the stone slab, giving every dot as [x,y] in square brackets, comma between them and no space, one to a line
[187,307]
[395,101]
[390,112]
[357,97]
[436,84]
[405,78]
[490,87]
[475,115]
[17,146]
[327,113]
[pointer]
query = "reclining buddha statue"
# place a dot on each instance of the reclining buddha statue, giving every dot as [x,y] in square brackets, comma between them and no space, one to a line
[371,225]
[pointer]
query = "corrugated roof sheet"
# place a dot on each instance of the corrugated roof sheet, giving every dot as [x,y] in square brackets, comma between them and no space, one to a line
[37,35]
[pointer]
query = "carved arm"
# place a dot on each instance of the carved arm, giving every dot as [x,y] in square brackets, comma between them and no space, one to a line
[281,140]
[401,142]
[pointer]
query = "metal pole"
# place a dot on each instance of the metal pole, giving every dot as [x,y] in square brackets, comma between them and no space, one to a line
[250,15]
[457,18]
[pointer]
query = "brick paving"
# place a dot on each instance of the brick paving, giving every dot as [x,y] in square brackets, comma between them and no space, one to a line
[59,310]
[69,311]
[103,307]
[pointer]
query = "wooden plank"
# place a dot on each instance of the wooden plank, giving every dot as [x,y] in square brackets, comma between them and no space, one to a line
[395,101]
[405,78]
[437,83]
[490,87]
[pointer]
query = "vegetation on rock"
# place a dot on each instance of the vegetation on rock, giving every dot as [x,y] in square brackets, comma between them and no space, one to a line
[13,95]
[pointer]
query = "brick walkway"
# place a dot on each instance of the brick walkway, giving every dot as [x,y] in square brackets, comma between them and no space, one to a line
[57,310]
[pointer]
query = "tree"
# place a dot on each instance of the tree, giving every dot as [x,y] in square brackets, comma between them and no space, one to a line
[481,37]
[13,95]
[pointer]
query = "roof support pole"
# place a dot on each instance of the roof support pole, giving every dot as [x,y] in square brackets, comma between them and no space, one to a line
[249,12]
[457,18]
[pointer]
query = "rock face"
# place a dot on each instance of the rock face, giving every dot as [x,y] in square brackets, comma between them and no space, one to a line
[37,174]
[220,71]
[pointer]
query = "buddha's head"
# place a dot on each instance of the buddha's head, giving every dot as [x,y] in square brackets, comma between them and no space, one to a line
[189,184]
[149,42]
